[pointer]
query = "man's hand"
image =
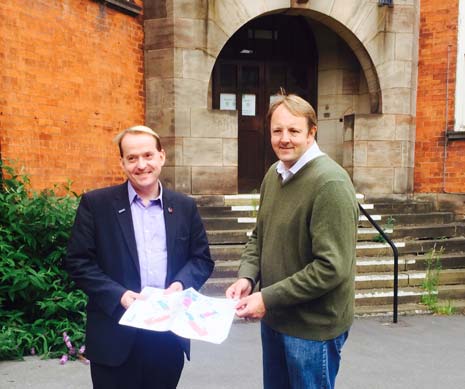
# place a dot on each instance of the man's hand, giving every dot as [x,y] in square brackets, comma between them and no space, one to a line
[251,307]
[241,288]
[176,286]
[128,298]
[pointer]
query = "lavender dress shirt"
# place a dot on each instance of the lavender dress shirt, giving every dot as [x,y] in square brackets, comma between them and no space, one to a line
[150,233]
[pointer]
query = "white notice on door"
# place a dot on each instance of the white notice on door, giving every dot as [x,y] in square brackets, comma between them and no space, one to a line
[227,101]
[248,105]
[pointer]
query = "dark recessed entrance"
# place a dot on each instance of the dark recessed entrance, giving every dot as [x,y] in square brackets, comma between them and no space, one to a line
[265,54]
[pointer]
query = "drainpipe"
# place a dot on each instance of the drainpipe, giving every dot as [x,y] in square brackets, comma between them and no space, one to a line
[446,127]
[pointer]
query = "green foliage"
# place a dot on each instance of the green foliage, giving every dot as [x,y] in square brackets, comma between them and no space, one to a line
[431,284]
[389,225]
[38,301]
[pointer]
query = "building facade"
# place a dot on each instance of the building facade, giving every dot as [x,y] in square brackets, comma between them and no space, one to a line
[72,75]
[383,80]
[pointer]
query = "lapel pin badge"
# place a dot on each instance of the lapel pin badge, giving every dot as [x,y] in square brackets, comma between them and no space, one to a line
[170,210]
[122,210]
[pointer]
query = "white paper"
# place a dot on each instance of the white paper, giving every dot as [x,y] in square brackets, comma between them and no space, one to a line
[248,105]
[188,314]
[227,101]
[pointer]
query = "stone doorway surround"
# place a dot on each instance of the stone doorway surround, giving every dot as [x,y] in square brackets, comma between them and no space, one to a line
[183,39]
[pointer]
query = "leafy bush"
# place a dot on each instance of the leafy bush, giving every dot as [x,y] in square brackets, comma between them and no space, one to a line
[38,301]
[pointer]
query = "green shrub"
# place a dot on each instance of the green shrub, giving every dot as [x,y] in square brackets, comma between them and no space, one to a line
[431,284]
[38,301]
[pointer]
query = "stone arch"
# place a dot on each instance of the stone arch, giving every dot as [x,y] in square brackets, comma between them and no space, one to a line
[225,18]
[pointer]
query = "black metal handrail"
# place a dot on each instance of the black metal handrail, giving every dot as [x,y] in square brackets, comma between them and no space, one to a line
[396,261]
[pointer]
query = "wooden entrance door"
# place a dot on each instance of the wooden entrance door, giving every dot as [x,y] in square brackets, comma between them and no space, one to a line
[246,79]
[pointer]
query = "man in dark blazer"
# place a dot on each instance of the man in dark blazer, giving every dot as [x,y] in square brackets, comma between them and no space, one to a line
[127,237]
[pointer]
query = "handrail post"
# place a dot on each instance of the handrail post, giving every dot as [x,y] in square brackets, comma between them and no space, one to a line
[396,261]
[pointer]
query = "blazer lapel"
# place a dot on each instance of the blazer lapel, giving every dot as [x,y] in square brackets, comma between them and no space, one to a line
[123,213]
[169,213]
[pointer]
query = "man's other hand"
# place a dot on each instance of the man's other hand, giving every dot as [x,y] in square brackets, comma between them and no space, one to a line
[241,288]
[128,298]
[251,307]
[176,286]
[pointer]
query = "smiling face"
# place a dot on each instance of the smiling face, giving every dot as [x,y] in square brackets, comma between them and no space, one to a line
[290,135]
[142,163]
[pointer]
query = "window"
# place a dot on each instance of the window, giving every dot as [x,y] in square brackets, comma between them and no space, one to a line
[126,6]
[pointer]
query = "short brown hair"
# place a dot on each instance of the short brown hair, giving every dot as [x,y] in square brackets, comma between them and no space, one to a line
[139,129]
[295,105]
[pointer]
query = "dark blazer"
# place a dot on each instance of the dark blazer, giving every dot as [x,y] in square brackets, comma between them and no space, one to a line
[102,259]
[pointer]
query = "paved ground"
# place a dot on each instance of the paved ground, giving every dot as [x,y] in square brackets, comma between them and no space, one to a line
[425,352]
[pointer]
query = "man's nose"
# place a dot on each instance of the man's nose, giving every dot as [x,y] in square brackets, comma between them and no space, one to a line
[141,163]
[285,137]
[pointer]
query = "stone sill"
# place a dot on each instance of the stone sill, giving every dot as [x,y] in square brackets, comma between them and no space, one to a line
[455,135]
[125,6]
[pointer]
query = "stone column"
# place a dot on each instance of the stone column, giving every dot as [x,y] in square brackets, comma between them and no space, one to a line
[181,46]
[378,154]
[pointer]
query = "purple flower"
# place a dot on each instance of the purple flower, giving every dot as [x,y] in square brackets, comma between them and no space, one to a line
[33,351]
[63,359]
[82,349]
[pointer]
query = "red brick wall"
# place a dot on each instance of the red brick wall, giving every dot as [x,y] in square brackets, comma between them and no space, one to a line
[438,32]
[71,76]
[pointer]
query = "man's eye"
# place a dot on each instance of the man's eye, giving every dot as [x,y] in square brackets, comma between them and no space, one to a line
[131,159]
[148,156]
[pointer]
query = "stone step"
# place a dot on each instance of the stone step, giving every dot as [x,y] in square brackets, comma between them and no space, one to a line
[451,292]
[231,211]
[395,221]
[387,310]
[240,235]
[242,199]
[234,251]
[431,231]
[406,279]
[228,223]
[457,304]
[367,265]
[217,286]
[391,207]
[408,262]
[364,249]
[406,219]
[455,244]
[378,297]
[228,236]
[406,295]
[228,269]
[407,308]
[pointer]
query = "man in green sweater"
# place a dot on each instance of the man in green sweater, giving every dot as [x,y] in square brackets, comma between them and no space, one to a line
[301,254]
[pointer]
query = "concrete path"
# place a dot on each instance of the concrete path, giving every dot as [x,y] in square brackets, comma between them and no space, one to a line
[425,352]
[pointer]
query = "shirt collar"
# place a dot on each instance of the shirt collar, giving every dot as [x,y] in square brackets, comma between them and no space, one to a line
[313,152]
[133,194]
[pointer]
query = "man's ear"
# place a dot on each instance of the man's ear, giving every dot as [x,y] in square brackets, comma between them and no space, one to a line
[312,131]
[163,157]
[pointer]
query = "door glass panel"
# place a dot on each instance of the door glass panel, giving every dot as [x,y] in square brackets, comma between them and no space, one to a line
[250,76]
[228,75]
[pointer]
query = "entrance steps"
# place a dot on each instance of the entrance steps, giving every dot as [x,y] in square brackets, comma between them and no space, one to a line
[414,226]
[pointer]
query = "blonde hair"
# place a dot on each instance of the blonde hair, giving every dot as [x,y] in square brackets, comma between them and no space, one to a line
[139,129]
[295,105]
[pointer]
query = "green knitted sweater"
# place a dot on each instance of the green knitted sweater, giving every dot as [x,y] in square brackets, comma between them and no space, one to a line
[302,250]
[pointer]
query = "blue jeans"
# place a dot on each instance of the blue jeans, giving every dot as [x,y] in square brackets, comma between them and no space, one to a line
[295,363]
